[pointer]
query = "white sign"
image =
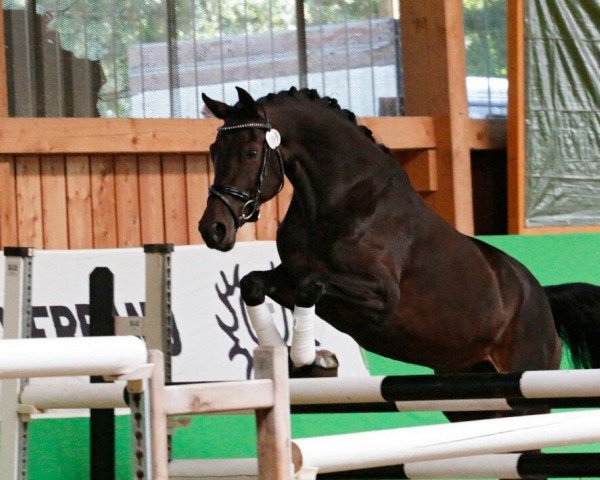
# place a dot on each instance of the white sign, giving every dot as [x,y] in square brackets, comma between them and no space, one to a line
[213,339]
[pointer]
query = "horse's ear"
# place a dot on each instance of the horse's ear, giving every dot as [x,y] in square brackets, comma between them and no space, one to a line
[218,109]
[246,101]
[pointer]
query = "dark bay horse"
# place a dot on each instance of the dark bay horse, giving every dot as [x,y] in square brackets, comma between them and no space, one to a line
[360,243]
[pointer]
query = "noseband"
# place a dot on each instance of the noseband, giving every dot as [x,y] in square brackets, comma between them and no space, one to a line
[251,210]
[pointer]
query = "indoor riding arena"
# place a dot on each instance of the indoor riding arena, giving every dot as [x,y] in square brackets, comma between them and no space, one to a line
[299,240]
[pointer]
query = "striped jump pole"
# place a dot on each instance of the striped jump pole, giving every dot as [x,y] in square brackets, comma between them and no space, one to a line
[448,392]
[353,451]
[503,465]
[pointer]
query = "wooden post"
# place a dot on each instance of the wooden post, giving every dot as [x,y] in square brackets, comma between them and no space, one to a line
[159,441]
[515,28]
[273,424]
[435,85]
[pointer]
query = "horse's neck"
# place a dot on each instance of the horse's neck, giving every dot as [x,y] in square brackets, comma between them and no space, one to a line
[326,165]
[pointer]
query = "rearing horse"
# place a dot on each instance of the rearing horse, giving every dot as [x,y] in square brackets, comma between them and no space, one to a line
[360,243]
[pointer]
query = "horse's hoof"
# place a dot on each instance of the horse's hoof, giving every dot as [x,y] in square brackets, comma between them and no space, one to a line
[325,365]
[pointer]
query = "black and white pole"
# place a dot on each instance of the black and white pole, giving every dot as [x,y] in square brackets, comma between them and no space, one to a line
[450,392]
[501,465]
[17,324]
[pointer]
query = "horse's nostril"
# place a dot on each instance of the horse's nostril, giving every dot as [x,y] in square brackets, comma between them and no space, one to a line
[219,232]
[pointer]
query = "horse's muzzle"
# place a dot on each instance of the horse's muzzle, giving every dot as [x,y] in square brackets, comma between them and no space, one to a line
[215,236]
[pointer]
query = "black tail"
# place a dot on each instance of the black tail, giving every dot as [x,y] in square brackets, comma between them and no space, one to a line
[576,311]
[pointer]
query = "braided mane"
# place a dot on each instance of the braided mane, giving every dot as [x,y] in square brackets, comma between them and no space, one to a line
[313,95]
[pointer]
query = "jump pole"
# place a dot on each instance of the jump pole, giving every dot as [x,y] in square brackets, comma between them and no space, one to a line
[112,395]
[531,384]
[414,444]
[502,465]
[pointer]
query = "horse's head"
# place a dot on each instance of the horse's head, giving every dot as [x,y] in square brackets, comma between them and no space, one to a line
[248,169]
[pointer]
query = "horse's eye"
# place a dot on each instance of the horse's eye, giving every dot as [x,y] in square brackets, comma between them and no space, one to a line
[249,154]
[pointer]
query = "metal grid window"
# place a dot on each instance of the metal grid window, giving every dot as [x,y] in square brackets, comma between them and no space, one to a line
[153,58]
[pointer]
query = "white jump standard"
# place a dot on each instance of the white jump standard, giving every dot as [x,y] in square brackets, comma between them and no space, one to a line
[126,360]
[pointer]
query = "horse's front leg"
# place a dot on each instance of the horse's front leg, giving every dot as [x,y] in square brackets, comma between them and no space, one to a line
[301,298]
[306,295]
[254,287]
[306,360]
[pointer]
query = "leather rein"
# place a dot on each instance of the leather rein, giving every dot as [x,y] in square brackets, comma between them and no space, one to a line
[250,211]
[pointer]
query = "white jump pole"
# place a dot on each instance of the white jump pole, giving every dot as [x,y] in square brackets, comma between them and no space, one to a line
[355,451]
[55,357]
[76,395]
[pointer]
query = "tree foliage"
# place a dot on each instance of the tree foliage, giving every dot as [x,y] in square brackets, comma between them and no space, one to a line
[485,37]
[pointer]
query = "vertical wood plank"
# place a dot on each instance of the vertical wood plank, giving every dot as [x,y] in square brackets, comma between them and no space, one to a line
[104,210]
[197,183]
[54,202]
[79,201]
[273,424]
[29,201]
[8,202]
[160,433]
[515,25]
[174,187]
[128,201]
[151,199]
[247,232]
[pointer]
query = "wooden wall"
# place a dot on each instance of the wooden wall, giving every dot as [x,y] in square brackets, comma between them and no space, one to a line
[100,200]
[93,183]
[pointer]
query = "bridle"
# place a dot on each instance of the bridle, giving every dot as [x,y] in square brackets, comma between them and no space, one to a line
[251,209]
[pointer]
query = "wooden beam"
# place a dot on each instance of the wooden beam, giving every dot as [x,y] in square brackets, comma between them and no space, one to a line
[127,136]
[218,397]
[435,85]
[515,25]
[400,133]
[273,431]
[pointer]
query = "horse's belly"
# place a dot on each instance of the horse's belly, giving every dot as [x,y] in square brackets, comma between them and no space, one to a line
[437,346]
